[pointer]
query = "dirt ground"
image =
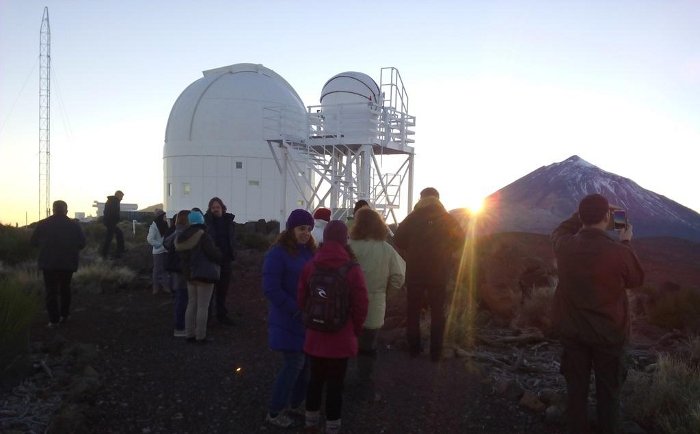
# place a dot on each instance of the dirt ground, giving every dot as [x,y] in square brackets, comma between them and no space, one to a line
[155,383]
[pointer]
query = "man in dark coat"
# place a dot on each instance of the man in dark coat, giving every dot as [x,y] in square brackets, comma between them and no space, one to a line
[110,219]
[221,228]
[590,310]
[59,240]
[429,239]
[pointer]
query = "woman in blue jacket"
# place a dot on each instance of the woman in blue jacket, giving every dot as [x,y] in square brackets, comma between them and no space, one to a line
[281,271]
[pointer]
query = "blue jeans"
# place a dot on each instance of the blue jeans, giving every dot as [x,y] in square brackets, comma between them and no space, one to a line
[180,288]
[291,382]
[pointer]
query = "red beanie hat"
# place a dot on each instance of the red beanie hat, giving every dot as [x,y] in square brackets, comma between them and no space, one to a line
[322,214]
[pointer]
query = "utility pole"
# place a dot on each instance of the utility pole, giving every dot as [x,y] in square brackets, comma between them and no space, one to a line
[45,116]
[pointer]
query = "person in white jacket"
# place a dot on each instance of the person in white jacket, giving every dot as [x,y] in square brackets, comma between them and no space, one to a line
[384,269]
[321,218]
[156,234]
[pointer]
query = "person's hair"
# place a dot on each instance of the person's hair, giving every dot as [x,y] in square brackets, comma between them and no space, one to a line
[592,209]
[216,199]
[288,241]
[351,253]
[161,224]
[429,191]
[368,226]
[360,204]
[119,193]
[181,218]
[60,207]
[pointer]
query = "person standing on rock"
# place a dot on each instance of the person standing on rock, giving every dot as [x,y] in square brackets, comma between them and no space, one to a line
[590,310]
[59,240]
[329,351]
[156,233]
[110,219]
[221,228]
[384,269]
[281,270]
[200,266]
[430,240]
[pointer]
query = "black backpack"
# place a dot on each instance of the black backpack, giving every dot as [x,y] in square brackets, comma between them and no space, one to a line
[328,300]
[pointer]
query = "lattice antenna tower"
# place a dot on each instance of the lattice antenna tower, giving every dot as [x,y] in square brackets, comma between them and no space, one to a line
[45,116]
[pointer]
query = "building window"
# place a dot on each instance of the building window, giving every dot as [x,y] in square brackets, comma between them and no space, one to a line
[253,182]
[239,164]
[186,188]
[170,189]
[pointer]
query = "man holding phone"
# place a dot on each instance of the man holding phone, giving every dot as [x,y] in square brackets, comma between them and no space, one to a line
[590,310]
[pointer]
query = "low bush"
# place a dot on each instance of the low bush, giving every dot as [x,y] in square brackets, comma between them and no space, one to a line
[100,276]
[535,311]
[668,401]
[14,245]
[679,309]
[18,305]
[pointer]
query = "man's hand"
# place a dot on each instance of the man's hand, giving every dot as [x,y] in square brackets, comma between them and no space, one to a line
[626,233]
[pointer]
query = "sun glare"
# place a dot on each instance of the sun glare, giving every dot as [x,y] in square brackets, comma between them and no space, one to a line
[475,206]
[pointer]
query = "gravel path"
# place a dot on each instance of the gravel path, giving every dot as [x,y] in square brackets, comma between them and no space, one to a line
[155,383]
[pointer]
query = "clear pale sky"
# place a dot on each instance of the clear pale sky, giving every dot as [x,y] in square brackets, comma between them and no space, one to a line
[498,88]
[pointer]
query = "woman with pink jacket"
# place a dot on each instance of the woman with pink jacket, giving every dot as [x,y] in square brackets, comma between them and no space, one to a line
[329,352]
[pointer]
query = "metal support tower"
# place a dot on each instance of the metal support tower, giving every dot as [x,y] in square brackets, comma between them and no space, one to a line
[45,116]
[345,169]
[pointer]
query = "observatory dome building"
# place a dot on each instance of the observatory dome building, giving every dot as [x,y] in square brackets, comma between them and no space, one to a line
[215,143]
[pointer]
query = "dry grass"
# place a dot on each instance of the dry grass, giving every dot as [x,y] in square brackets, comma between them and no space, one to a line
[669,400]
[101,275]
[680,309]
[536,310]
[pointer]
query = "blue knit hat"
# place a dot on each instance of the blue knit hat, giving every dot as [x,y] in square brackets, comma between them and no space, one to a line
[195,218]
[299,217]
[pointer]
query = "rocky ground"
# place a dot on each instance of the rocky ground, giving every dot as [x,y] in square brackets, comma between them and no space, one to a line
[115,368]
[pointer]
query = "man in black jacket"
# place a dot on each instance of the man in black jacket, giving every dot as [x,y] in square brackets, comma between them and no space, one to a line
[110,219]
[221,228]
[59,240]
[429,239]
[590,310]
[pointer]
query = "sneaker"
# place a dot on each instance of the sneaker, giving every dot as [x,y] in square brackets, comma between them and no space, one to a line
[180,333]
[299,410]
[281,420]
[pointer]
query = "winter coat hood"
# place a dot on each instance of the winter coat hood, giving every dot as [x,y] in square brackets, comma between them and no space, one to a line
[189,238]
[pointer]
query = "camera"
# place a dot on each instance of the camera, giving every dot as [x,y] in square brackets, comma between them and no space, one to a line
[619,219]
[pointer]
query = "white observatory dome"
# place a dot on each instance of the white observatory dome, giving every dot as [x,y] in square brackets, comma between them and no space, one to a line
[215,141]
[350,102]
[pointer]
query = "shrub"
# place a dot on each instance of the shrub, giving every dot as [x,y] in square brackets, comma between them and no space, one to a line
[536,310]
[669,400]
[678,309]
[18,305]
[101,275]
[14,245]
[255,241]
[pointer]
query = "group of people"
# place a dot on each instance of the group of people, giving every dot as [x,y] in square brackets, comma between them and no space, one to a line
[430,240]
[590,307]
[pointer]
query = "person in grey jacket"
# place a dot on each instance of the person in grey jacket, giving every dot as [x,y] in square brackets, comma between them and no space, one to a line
[60,240]
[200,266]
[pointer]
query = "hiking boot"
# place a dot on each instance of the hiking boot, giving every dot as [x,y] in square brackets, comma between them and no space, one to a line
[281,420]
[180,333]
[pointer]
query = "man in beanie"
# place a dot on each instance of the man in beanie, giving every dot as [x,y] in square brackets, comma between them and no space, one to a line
[321,218]
[110,219]
[221,228]
[59,240]
[590,309]
[430,240]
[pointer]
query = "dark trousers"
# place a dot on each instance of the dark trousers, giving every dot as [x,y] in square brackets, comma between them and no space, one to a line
[112,231]
[331,373]
[610,370]
[417,296]
[57,285]
[179,285]
[221,288]
[366,355]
